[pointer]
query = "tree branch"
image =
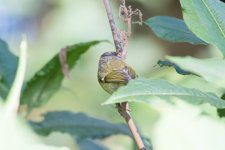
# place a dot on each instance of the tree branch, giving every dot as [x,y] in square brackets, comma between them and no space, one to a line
[124,111]
[116,38]
[123,108]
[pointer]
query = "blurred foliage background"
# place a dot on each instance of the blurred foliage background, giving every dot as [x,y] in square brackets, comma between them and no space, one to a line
[53,24]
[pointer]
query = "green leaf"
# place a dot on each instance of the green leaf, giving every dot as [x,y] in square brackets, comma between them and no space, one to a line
[8,65]
[166,63]
[172,29]
[78,125]
[206,19]
[221,112]
[145,90]
[49,78]
[192,20]
[210,69]
[4,90]
[88,144]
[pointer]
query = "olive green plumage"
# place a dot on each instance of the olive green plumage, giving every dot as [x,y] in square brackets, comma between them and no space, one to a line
[113,72]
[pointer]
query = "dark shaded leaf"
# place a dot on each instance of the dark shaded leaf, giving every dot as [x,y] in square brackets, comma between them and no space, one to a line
[211,69]
[8,65]
[221,112]
[49,78]
[88,144]
[79,125]
[147,143]
[172,29]
[168,63]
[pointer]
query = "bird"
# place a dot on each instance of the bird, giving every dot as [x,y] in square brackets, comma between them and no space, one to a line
[113,72]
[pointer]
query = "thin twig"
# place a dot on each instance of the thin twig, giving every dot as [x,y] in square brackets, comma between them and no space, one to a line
[126,13]
[123,108]
[116,38]
[124,111]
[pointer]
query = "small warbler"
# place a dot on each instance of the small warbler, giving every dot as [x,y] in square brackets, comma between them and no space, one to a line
[113,72]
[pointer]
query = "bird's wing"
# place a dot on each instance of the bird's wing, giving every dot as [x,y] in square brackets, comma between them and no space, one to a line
[120,76]
[131,72]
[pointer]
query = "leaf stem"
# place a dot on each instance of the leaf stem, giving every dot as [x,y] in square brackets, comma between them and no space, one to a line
[13,98]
